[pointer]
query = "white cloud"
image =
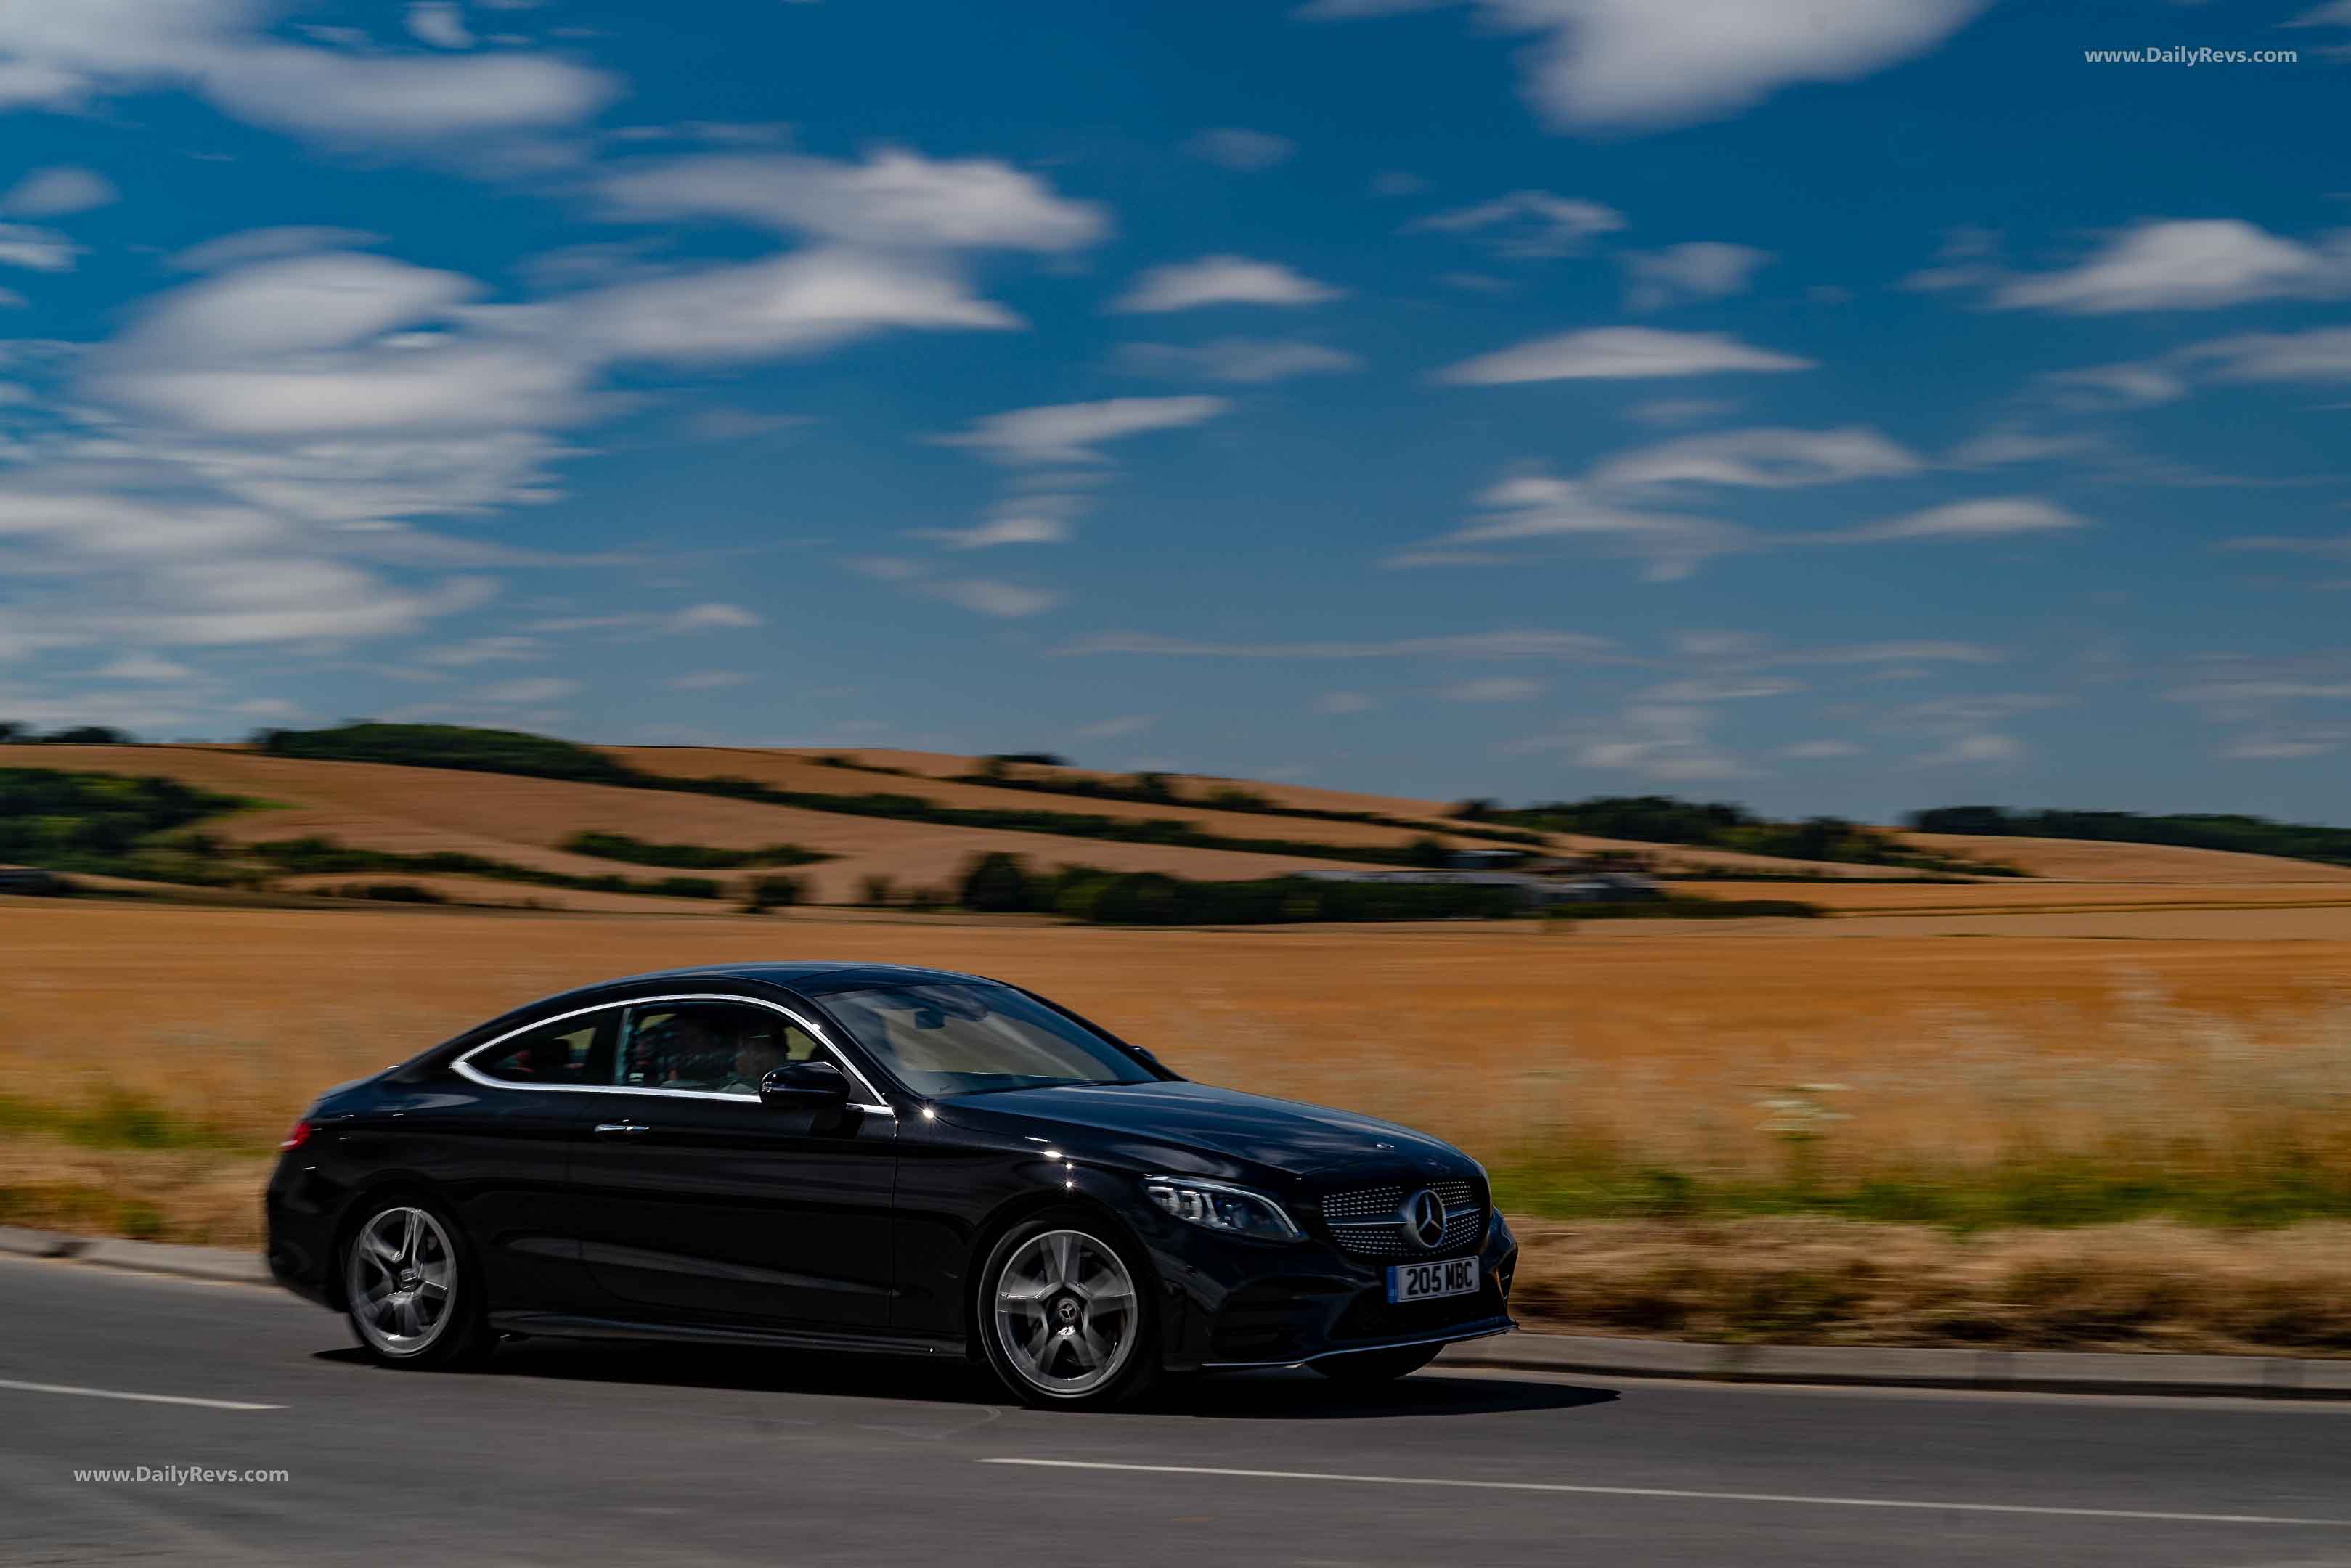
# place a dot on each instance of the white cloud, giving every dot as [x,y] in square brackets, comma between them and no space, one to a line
[484,651]
[1617,353]
[1220,281]
[2116,386]
[267,245]
[1509,644]
[1995,517]
[1068,432]
[2322,354]
[62,58]
[1529,223]
[1495,689]
[1985,748]
[1237,148]
[1539,507]
[1655,740]
[440,23]
[894,200]
[799,302]
[2187,265]
[41,250]
[1607,64]
[1241,360]
[144,667]
[706,681]
[2012,444]
[1721,689]
[991,596]
[1111,728]
[1702,270]
[1345,702]
[1038,518]
[712,617]
[52,193]
[1818,750]
[1763,458]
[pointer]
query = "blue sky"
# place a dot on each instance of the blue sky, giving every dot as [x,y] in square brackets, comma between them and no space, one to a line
[1839,405]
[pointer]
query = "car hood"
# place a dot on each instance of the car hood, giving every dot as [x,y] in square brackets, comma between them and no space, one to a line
[1158,1124]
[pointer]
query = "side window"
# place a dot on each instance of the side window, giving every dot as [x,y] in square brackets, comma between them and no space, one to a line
[575,1051]
[722,1048]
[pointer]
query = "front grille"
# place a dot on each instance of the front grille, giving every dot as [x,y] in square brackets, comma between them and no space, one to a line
[1365,1220]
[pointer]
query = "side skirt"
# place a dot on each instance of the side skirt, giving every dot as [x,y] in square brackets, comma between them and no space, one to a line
[563,1325]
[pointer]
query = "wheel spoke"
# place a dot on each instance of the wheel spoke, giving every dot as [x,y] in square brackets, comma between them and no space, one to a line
[1090,1347]
[408,1237]
[1114,1298]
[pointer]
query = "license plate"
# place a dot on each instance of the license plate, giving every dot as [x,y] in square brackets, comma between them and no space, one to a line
[1427,1281]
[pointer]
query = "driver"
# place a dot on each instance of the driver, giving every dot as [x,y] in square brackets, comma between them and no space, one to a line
[757,1054]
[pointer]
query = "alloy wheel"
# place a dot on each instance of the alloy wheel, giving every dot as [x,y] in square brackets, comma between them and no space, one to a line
[402,1281]
[1066,1314]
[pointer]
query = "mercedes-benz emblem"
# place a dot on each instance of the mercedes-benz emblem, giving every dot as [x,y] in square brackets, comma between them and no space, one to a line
[1424,1216]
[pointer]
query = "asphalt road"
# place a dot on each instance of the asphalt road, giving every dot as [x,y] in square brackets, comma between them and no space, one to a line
[578,1455]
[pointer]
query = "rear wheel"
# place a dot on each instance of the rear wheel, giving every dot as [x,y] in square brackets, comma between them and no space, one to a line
[1365,1367]
[409,1286]
[1063,1316]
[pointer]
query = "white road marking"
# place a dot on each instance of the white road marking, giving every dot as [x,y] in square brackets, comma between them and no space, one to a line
[142,1398]
[1681,1495]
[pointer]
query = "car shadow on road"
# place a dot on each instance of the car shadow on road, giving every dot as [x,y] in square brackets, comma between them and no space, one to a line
[1286,1394]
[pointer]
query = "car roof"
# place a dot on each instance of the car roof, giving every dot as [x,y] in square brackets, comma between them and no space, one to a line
[810,979]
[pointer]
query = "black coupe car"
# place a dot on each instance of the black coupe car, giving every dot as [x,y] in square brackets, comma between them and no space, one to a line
[861,1158]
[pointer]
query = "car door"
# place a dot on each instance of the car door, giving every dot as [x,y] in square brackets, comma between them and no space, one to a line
[701,1204]
[504,1146]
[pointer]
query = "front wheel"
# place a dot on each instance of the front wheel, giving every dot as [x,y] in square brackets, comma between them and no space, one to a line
[1063,1316]
[409,1287]
[1366,1367]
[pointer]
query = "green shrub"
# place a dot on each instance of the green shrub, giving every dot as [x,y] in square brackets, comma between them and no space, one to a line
[766,893]
[687,857]
[450,745]
[995,883]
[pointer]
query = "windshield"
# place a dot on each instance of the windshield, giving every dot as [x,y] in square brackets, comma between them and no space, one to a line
[967,1036]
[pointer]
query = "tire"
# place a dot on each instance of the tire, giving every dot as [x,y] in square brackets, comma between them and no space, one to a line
[410,1286]
[1367,1367]
[1064,1313]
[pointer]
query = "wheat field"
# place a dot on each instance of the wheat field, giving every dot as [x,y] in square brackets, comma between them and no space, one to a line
[1659,1036]
[1655,1051]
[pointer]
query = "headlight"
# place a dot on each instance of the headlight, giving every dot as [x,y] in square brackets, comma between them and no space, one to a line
[1213,1206]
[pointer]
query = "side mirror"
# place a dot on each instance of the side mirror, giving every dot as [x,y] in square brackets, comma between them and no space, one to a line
[804,1086]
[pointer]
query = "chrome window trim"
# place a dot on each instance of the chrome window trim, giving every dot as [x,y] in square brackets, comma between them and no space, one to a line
[465,1068]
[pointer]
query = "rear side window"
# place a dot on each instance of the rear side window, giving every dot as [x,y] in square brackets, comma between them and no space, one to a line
[575,1052]
[722,1048]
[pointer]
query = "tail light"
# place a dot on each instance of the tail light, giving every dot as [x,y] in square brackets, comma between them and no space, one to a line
[295,1136]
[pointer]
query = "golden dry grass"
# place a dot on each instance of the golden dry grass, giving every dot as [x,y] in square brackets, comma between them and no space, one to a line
[2150,1286]
[2082,859]
[1659,1035]
[415,811]
[1653,1041]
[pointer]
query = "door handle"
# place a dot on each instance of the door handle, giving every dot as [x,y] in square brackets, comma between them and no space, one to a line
[619,1128]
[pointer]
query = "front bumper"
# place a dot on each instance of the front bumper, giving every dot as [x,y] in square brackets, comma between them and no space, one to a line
[1235,1304]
